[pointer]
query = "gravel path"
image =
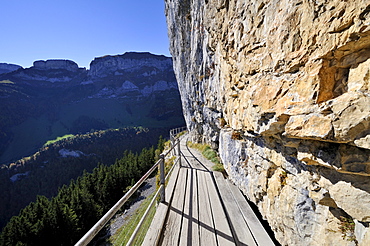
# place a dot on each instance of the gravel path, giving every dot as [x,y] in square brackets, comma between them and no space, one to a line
[121,219]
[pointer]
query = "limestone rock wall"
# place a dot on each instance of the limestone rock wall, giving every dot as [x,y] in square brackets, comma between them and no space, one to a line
[282,89]
[130,61]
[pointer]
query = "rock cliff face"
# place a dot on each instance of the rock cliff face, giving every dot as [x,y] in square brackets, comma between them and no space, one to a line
[135,73]
[282,89]
[130,61]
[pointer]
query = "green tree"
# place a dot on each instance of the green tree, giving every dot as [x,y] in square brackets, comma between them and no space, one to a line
[62,220]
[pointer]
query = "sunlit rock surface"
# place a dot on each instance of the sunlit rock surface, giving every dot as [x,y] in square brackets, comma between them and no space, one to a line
[282,89]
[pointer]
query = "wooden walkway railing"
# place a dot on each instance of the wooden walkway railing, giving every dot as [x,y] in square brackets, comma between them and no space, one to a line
[175,143]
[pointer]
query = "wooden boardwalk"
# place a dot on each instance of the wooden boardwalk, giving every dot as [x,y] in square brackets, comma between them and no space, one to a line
[203,208]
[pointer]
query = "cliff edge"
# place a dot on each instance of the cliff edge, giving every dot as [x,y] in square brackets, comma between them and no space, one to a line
[282,90]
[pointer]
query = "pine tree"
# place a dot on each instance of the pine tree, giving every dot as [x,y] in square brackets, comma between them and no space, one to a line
[65,218]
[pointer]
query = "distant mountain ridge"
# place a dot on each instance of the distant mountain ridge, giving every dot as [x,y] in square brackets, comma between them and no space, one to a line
[132,71]
[7,68]
[56,64]
[147,74]
[58,97]
[130,61]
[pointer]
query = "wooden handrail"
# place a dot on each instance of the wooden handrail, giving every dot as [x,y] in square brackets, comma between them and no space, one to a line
[101,223]
[138,227]
[133,236]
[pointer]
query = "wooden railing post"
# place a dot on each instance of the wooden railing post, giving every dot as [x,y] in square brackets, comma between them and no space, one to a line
[172,139]
[162,178]
[178,151]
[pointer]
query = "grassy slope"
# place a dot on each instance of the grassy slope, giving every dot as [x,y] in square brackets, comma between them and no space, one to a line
[124,233]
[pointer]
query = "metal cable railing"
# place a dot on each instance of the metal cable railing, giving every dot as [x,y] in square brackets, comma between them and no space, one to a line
[101,223]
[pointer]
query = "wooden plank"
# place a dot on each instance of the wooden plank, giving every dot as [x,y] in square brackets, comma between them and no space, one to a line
[207,232]
[170,187]
[185,218]
[158,222]
[258,231]
[194,163]
[222,228]
[189,230]
[240,227]
[153,233]
[195,208]
[206,164]
[173,224]
[194,157]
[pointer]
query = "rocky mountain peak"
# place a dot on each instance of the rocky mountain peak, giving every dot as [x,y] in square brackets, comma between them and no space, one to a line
[56,64]
[130,61]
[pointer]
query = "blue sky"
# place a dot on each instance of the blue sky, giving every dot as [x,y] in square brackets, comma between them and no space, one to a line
[79,30]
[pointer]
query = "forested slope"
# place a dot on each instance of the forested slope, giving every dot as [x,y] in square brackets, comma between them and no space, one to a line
[63,219]
[56,164]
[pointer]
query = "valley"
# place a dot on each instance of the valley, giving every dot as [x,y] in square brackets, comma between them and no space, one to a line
[122,104]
